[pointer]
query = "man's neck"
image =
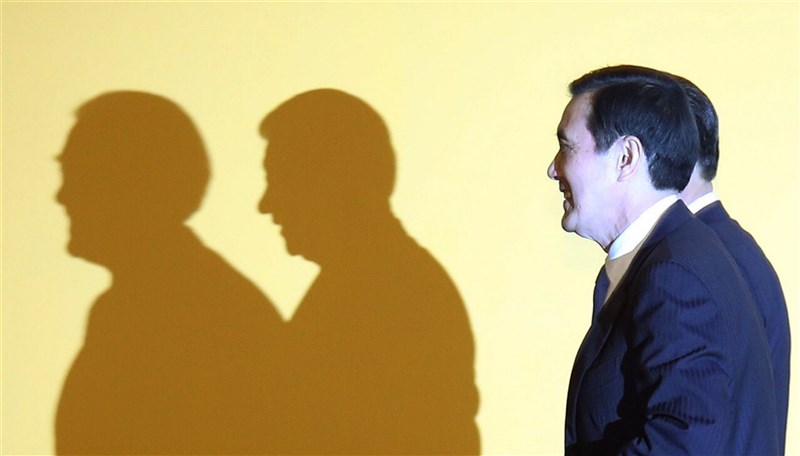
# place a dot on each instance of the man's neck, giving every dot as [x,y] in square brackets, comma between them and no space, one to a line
[359,240]
[635,233]
[636,206]
[696,188]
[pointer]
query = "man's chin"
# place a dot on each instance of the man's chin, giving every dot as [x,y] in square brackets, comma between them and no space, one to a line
[305,253]
[567,223]
[291,248]
[291,251]
[76,251]
[82,251]
[73,248]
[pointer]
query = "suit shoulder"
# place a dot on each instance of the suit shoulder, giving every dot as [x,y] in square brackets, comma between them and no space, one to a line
[693,245]
[743,247]
[691,254]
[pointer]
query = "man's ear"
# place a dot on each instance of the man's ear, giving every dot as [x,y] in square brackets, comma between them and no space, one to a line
[630,158]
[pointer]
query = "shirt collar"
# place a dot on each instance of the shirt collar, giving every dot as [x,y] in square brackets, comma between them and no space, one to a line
[635,233]
[703,201]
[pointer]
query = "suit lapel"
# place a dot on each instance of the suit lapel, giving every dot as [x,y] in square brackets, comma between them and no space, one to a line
[590,347]
[675,216]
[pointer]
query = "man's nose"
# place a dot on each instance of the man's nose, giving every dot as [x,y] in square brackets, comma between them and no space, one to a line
[551,170]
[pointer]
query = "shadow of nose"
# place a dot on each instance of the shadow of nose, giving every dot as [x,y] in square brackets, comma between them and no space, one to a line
[59,196]
[263,205]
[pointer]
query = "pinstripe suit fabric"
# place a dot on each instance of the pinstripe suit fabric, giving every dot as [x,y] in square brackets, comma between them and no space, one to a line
[676,362]
[767,293]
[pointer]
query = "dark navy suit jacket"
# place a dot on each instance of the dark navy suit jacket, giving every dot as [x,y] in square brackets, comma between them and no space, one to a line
[767,294]
[677,360]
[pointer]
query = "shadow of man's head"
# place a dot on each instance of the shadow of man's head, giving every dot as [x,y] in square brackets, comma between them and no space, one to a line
[330,170]
[133,165]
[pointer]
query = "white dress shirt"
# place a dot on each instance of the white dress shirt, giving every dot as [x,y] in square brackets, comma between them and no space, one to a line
[703,201]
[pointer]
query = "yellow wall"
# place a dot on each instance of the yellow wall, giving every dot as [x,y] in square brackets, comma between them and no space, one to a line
[471,93]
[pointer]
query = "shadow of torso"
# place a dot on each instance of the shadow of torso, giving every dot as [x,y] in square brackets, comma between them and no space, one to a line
[175,359]
[383,355]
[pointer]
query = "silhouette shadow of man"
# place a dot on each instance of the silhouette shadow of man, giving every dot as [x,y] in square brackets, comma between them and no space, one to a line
[380,351]
[176,352]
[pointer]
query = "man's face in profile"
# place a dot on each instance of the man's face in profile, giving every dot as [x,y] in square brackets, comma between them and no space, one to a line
[582,173]
[96,194]
[295,200]
[82,193]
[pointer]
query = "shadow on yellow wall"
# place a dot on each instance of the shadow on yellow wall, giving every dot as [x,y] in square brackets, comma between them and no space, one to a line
[184,355]
[174,355]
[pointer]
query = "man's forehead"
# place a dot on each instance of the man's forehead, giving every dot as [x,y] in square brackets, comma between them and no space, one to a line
[68,151]
[280,154]
[575,113]
[86,139]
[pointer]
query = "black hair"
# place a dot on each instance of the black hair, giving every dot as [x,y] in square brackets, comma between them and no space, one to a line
[707,122]
[648,104]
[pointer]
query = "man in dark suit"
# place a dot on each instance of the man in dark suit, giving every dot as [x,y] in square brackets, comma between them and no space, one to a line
[675,360]
[756,269]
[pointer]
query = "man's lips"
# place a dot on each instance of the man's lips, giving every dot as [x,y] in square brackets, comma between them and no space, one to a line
[565,190]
